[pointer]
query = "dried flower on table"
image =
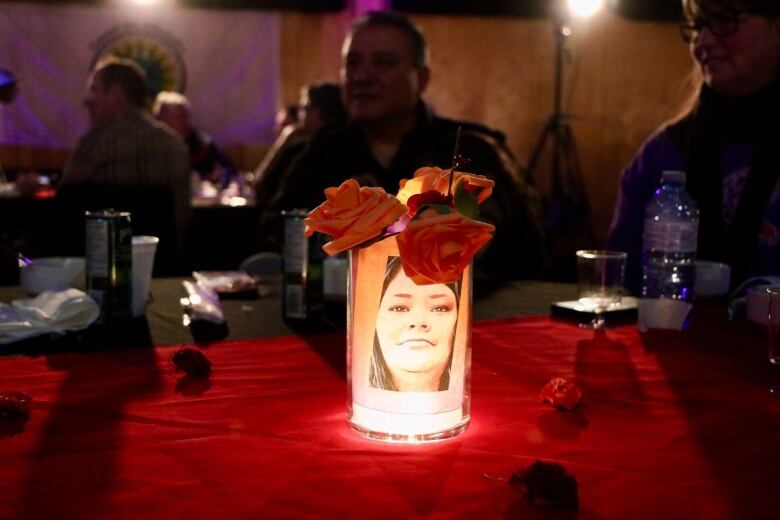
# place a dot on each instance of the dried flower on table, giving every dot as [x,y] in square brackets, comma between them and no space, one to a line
[546,484]
[193,362]
[14,404]
[561,393]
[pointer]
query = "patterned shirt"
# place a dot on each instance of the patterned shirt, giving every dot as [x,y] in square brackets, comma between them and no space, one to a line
[133,149]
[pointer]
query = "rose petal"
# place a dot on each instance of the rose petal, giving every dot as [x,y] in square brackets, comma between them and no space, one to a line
[351,215]
[432,178]
[436,248]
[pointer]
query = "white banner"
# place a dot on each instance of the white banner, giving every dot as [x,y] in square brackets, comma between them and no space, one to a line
[225,61]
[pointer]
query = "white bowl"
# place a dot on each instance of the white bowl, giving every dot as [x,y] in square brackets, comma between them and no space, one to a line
[52,274]
[757,304]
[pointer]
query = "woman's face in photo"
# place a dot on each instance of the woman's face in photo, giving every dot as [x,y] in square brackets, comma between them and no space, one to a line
[415,326]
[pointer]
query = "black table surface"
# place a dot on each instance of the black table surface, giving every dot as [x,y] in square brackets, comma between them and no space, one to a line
[256,317]
[220,236]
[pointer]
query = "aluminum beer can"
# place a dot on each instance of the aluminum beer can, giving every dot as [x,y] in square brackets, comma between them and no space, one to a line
[109,252]
[302,282]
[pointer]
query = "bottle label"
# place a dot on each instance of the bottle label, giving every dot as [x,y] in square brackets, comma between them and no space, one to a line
[670,236]
[335,271]
[97,248]
[296,246]
[294,301]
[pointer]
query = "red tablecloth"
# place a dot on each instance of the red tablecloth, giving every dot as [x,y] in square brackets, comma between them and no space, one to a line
[677,426]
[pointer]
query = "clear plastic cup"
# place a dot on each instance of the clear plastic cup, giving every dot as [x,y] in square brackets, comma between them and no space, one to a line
[144,249]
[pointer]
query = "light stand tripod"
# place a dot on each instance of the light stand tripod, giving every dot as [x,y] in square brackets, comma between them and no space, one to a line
[566,205]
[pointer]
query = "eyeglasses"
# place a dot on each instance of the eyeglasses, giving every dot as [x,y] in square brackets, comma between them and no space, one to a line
[723,23]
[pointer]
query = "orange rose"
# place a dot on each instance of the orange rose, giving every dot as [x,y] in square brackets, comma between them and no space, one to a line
[352,215]
[433,178]
[436,248]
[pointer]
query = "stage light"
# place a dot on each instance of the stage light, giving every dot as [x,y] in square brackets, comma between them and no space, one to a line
[143,2]
[568,213]
[585,8]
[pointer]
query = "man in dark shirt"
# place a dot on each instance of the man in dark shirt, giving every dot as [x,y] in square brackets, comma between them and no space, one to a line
[126,161]
[390,134]
[206,158]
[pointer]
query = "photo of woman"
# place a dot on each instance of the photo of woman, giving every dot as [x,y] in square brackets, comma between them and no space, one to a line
[415,334]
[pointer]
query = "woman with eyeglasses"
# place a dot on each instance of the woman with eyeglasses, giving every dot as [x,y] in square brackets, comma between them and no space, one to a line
[727,140]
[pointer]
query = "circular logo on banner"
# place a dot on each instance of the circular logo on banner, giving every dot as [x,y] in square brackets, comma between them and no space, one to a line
[157,51]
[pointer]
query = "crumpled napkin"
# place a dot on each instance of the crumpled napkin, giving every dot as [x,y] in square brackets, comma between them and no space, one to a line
[201,303]
[48,312]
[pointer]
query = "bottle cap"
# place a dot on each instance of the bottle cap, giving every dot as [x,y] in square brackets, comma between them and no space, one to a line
[673,176]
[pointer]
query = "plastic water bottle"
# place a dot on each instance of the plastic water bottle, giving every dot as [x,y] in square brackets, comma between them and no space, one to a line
[668,253]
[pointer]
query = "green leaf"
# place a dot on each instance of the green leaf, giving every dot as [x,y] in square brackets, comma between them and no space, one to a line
[466,202]
[443,209]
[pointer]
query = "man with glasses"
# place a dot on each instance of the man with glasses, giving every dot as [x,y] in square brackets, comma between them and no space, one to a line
[727,140]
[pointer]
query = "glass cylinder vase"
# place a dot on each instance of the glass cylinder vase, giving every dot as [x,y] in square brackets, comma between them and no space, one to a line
[408,350]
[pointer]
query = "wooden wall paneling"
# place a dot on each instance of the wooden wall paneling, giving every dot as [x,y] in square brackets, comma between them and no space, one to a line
[492,70]
[32,157]
[632,78]
[629,78]
[310,46]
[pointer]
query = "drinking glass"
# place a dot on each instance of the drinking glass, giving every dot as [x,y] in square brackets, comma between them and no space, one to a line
[600,278]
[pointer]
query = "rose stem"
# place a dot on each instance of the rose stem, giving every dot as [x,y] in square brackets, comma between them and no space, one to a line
[454,161]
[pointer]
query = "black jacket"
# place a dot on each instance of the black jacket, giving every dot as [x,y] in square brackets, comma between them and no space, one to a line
[516,251]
